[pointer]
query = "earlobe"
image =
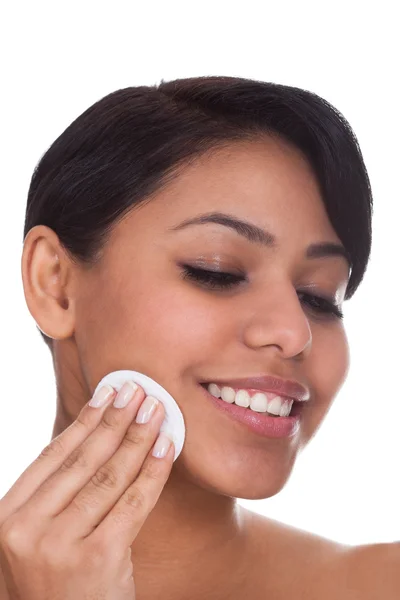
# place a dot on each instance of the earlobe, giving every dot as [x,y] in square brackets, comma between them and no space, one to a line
[46,276]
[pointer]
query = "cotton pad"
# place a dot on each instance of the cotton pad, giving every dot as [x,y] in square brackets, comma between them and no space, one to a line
[173,424]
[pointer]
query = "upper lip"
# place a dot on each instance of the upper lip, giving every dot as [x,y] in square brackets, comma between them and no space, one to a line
[268,383]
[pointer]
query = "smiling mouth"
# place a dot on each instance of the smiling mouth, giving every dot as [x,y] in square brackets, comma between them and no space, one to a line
[296,409]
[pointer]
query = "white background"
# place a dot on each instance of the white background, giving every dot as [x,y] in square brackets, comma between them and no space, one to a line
[59,58]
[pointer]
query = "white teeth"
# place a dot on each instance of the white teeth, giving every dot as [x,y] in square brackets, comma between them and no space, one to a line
[228,394]
[259,402]
[214,390]
[241,398]
[286,408]
[274,406]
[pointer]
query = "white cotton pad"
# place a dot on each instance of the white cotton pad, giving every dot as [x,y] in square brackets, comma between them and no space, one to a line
[173,424]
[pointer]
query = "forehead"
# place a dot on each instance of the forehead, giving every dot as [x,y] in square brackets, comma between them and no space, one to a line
[266,181]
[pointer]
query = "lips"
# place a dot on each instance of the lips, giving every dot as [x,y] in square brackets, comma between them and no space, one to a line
[266,383]
[260,423]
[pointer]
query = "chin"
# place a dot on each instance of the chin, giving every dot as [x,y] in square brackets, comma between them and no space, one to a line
[260,475]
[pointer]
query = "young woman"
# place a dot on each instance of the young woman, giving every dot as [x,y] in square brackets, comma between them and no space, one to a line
[205,232]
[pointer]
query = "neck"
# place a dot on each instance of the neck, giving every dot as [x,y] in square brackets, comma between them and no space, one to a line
[187,543]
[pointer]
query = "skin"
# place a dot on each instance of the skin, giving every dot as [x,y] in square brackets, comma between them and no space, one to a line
[133,310]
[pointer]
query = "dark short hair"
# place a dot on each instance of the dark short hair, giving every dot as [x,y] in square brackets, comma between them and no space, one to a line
[134,141]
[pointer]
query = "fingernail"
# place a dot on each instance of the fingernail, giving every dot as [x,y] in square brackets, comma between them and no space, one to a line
[101,396]
[161,446]
[147,410]
[125,394]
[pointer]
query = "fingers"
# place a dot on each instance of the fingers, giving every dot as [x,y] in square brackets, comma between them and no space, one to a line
[126,518]
[110,479]
[52,456]
[56,493]
[105,488]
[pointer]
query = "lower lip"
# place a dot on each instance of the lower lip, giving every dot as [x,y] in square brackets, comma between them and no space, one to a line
[260,423]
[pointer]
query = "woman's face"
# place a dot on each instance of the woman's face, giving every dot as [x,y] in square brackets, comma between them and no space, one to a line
[135,311]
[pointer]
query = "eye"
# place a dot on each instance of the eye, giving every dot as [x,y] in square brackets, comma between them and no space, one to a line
[323,305]
[212,279]
[220,280]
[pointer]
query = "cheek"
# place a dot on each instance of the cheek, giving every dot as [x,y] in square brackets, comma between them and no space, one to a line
[162,331]
[331,360]
[177,328]
[327,368]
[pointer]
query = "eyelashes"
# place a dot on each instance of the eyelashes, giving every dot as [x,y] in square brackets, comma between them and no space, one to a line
[220,281]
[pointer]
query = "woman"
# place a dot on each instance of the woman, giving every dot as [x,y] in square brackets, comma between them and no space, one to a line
[116,277]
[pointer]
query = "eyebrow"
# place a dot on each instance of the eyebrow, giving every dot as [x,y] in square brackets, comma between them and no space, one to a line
[256,235]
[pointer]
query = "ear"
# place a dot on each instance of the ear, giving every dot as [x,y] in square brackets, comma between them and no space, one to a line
[47,275]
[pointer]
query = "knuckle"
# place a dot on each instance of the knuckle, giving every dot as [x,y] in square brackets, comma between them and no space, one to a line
[151,470]
[105,478]
[133,437]
[75,459]
[53,450]
[134,498]
[81,422]
[111,420]
[79,508]
[13,535]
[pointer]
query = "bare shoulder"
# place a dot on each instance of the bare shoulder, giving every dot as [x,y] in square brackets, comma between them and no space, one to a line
[308,566]
[291,542]
[373,569]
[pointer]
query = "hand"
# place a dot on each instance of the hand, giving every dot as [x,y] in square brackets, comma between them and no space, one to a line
[68,523]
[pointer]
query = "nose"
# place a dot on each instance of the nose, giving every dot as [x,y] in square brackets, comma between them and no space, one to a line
[278,319]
